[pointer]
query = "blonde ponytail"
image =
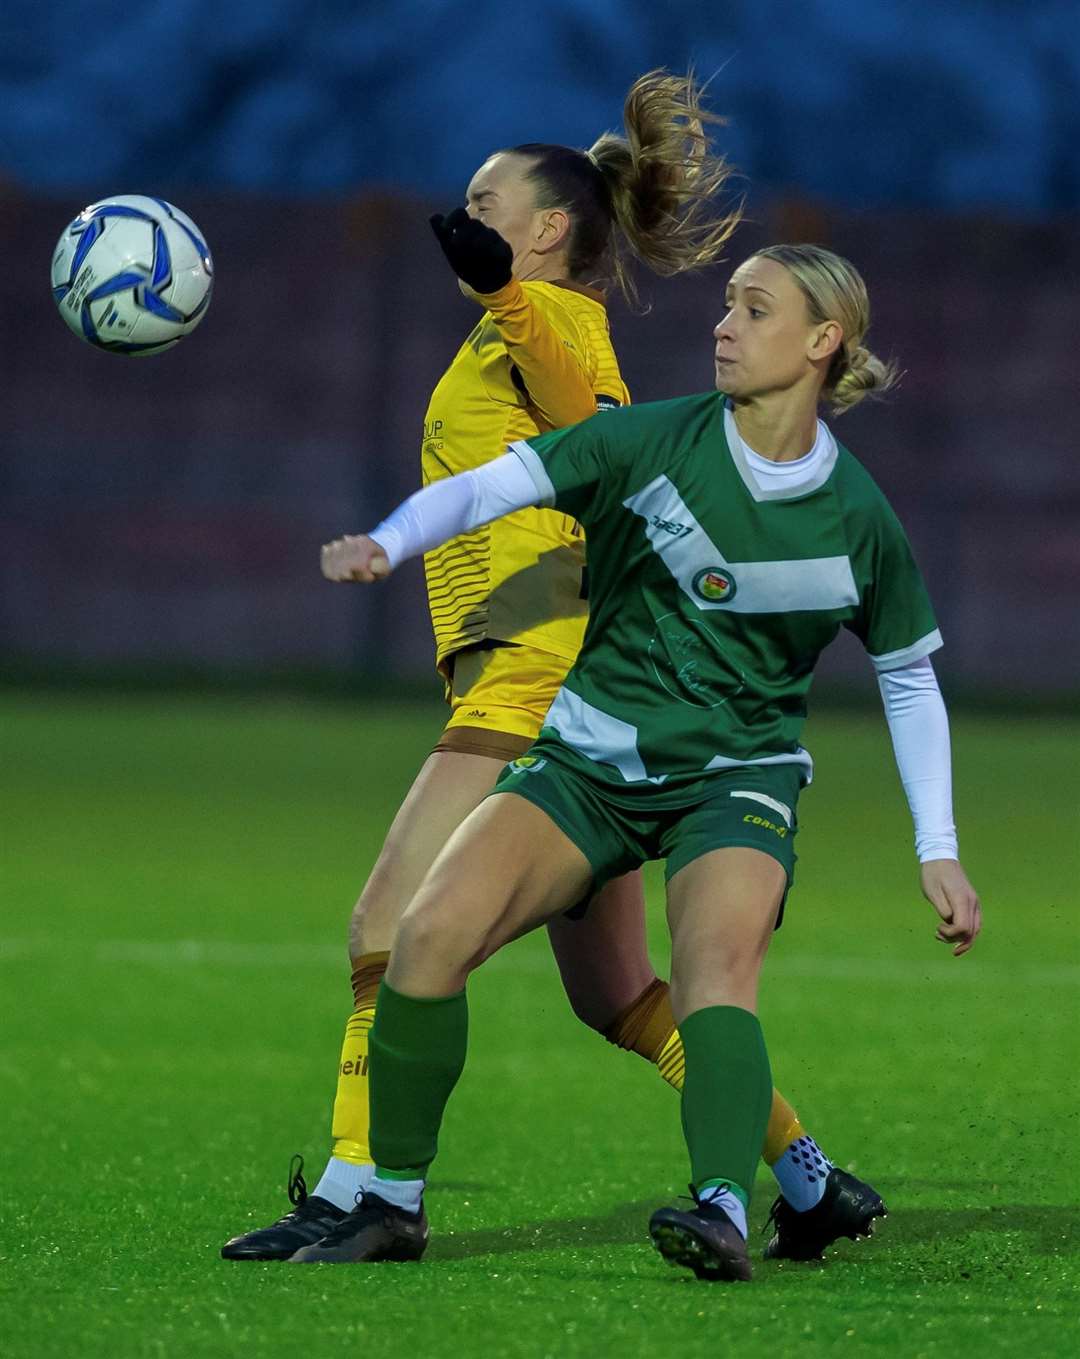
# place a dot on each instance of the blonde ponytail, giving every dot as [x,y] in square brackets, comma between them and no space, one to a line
[651,194]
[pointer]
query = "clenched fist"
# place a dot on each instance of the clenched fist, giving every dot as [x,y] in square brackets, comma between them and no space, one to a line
[946,887]
[355,557]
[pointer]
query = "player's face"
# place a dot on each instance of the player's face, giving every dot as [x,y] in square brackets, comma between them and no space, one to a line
[501,196]
[767,341]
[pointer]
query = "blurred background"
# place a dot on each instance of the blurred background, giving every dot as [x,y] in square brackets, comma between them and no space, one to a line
[161,518]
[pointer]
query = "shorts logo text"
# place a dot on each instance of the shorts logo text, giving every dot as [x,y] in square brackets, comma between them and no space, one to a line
[752,820]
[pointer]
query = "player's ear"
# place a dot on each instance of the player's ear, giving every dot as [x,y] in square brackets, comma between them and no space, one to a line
[552,230]
[825,340]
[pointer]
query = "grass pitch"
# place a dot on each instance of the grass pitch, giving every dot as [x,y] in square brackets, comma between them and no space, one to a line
[176,881]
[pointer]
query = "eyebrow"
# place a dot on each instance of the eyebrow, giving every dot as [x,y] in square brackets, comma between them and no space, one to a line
[753,288]
[483,193]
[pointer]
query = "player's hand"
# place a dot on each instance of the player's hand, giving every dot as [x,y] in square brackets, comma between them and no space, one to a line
[477,253]
[946,888]
[355,557]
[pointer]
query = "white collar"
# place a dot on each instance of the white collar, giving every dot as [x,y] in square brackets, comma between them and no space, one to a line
[766,479]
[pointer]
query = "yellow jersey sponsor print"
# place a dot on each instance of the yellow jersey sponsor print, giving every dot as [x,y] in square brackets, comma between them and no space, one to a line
[538,359]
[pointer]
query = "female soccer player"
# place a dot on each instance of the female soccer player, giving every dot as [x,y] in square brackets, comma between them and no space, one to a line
[508,600]
[730,538]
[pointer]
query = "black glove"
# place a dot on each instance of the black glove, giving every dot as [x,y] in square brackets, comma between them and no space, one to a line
[477,254]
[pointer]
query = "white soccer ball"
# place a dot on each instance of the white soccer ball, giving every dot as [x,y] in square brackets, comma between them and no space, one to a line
[132,275]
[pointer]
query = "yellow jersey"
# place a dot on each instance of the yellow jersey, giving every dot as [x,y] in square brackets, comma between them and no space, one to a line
[539,358]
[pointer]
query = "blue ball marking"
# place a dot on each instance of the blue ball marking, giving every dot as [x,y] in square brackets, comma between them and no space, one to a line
[130,278]
[150,301]
[161,273]
[118,210]
[87,234]
[199,245]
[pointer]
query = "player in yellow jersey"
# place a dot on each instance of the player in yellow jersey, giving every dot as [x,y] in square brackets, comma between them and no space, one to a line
[543,226]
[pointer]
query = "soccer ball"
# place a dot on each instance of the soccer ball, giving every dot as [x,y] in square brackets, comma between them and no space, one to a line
[132,275]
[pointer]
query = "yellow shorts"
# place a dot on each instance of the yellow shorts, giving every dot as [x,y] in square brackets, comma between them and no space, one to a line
[499,697]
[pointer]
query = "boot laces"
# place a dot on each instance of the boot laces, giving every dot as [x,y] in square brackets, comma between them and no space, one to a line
[773,1220]
[297,1186]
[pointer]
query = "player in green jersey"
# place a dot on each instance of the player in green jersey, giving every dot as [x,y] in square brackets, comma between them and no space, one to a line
[730,538]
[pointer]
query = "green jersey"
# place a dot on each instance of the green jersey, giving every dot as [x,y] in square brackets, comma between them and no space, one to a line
[710,600]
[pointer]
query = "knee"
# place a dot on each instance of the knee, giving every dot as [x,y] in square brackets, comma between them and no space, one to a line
[433,953]
[734,982]
[377,911]
[371,929]
[357,942]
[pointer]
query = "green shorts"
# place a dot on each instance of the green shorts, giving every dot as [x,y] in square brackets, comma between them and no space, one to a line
[752,806]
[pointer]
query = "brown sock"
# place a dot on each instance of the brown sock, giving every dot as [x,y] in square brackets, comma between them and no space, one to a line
[647,1027]
[367,973]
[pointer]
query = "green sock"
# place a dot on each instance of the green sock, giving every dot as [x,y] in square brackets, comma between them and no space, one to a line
[417,1052]
[726,1097]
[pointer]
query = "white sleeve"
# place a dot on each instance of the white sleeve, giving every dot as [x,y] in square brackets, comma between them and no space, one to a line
[455,505]
[919,727]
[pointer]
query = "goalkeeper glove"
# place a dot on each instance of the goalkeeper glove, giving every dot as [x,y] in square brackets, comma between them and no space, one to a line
[477,254]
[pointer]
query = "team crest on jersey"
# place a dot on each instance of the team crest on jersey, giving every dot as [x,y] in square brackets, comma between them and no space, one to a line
[715,584]
[527,764]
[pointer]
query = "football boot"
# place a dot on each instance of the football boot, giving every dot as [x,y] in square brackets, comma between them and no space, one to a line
[703,1239]
[310,1220]
[374,1230]
[847,1208]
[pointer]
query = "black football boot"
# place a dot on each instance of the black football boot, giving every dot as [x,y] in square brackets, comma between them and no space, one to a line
[703,1239]
[374,1230]
[847,1208]
[310,1220]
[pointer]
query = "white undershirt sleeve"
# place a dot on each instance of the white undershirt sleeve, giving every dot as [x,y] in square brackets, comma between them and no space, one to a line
[455,505]
[919,727]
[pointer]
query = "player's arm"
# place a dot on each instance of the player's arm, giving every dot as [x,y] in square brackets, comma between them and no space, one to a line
[562,468]
[548,361]
[919,727]
[432,517]
[896,624]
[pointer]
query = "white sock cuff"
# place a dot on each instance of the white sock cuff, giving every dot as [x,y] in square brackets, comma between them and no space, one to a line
[731,1204]
[342,1181]
[405,1194]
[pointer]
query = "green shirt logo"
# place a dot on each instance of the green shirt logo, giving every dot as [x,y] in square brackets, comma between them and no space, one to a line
[716,584]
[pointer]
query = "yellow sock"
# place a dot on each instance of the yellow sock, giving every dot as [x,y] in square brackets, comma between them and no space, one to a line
[352,1110]
[670,1061]
[784,1127]
[648,1027]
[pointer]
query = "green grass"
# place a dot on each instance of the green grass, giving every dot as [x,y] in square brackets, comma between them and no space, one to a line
[176,878]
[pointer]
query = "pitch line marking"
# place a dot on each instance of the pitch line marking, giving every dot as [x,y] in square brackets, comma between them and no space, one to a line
[234,953]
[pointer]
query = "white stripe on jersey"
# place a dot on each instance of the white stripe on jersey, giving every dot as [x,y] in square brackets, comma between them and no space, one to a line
[609,740]
[598,735]
[817,584]
[907,655]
